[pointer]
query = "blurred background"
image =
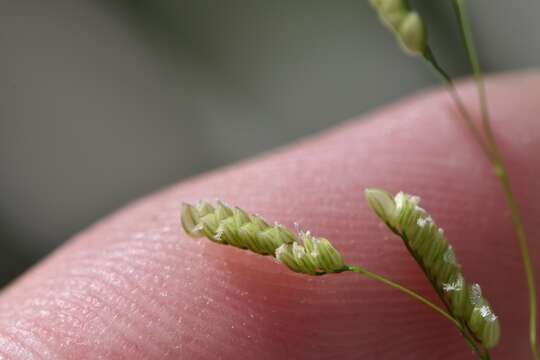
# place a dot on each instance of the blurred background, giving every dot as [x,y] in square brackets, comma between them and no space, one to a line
[105,101]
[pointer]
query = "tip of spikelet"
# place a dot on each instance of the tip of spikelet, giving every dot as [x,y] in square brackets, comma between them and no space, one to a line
[408,26]
[382,204]
[190,218]
[412,34]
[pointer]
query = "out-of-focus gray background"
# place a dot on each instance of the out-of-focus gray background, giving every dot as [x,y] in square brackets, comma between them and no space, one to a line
[104,101]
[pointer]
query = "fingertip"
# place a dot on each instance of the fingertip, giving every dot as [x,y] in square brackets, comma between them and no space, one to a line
[136,286]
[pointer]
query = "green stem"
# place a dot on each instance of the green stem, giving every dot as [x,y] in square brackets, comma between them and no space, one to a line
[462,327]
[411,293]
[527,263]
[500,171]
[466,34]
[429,56]
[448,316]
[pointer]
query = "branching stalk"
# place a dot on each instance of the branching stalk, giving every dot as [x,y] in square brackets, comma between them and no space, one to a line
[301,252]
[500,170]
[462,330]
[405,290]
[467,118]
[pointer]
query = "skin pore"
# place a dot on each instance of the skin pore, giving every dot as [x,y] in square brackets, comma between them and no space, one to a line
[134,286]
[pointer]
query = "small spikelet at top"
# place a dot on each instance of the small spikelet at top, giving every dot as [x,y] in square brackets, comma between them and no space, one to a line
[407,25]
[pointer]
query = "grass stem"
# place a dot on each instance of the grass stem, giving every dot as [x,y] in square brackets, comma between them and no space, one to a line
[472,344]
[500,170]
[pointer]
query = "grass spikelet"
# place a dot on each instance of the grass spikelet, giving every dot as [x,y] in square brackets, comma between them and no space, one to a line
[301,253]
[429,247]
[407,25]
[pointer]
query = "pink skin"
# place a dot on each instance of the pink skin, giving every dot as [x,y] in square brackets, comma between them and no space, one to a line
[134,286]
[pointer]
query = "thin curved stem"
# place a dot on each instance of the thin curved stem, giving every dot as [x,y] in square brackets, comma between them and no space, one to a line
[429,56]
[501,172]
[466,34]
[423,300]
[403,289]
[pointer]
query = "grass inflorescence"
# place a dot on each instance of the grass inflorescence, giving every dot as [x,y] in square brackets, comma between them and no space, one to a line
[429,247]
[307,254]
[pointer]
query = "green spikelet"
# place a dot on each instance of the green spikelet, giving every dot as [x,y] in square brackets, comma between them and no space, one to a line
[233,226]
[407,25]
[428,245]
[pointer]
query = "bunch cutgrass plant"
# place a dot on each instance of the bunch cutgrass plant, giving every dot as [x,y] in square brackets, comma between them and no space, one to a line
[304,253]
[464,304]
[392,14]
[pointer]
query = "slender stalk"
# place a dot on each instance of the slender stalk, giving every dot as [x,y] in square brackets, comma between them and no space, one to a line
[467,118]
[416,296]
[466,34]
[403,289]
[500,171]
